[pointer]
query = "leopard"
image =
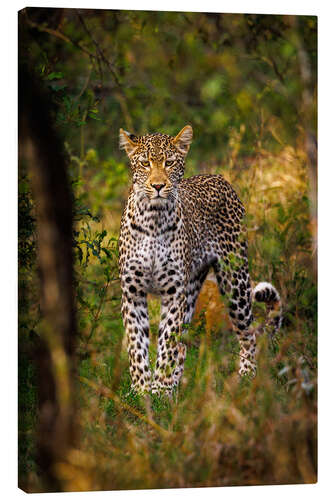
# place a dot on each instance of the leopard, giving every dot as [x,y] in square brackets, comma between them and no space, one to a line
[173,231]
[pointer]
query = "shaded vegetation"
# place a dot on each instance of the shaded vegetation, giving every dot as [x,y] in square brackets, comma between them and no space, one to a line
[247,84]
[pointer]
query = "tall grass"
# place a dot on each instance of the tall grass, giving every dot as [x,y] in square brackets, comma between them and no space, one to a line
[219,429]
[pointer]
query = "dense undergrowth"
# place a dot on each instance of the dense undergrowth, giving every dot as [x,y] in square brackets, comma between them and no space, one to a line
[219,429]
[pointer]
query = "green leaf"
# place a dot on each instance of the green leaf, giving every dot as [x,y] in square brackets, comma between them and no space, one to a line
[92,115]
[55,75]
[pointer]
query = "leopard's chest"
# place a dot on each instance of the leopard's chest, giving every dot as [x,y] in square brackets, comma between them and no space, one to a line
[154,240]
[159,256]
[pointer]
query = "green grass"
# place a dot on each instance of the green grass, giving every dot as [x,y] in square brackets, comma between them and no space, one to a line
[218,429]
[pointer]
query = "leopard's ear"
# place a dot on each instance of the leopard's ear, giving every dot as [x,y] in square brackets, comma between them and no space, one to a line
[183,140]
[127,141]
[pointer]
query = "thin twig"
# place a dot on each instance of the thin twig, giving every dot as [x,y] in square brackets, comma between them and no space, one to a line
[96,316]
[86,83]
[98,48]
[57,34]
[106,392]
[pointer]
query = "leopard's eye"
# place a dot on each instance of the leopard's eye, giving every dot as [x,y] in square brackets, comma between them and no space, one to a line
[168,163]
[145,163]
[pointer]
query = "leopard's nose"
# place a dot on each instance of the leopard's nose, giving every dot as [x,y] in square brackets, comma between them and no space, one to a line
[158,187]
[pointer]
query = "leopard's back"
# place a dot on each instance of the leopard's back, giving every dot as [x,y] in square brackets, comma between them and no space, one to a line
[211,204]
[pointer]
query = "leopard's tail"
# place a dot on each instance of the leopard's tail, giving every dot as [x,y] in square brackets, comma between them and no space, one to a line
[266,292]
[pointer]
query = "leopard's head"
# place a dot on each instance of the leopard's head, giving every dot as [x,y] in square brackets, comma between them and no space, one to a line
[157,162]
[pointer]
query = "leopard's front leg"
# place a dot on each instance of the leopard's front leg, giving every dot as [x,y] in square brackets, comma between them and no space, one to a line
[170,352]
[135,318]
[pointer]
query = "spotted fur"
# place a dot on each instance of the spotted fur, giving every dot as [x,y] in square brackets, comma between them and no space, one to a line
[173,230]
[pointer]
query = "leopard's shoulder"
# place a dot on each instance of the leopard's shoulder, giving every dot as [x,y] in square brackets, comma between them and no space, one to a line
[209,193]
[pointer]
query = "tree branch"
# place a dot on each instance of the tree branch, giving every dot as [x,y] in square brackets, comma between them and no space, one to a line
[98,49]
[57,34]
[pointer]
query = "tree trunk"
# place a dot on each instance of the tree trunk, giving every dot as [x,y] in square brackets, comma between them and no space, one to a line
[43,152]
